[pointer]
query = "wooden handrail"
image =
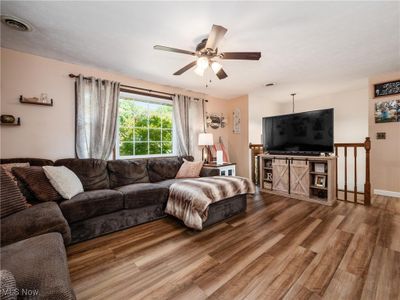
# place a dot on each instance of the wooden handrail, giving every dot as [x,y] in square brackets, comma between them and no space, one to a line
[257,149]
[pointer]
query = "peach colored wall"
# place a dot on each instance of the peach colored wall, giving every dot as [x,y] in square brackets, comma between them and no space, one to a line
[219,106]
[237,144]
[385,154]
[48,132]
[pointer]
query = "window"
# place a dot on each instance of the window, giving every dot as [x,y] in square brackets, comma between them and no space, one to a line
[145,126]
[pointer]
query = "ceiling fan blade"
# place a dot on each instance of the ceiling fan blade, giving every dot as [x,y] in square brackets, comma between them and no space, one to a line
[221,74]
[169,49]
[216,35]
[185,68]
[241,55]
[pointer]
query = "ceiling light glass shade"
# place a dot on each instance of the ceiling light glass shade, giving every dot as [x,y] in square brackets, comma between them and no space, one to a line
[199,71]
[216,67]
[203,62]
[206,139]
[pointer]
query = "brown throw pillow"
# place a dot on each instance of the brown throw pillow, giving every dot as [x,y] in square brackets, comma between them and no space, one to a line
[190,169]
[37,183]
[11,199]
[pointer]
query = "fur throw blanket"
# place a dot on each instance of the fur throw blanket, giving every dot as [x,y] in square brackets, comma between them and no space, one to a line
[189,199]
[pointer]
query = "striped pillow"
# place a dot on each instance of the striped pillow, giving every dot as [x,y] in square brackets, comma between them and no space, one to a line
[8,168]
[11,199]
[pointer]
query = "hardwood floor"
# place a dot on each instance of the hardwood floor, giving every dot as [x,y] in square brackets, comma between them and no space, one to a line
[279,249]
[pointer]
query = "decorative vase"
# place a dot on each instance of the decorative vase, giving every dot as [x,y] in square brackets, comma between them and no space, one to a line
[7,119]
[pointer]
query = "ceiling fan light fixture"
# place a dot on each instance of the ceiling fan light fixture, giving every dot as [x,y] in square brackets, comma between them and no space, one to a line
[216,67]
[203,62]
[199,71]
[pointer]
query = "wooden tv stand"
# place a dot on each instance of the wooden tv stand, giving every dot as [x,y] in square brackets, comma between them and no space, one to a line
[296,177]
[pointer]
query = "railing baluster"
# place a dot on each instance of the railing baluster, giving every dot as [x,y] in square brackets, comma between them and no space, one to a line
[367,185]
[355,174]
[345,173]
[255,162]
[337,156]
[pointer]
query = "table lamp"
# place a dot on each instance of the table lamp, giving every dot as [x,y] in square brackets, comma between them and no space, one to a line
[206,140]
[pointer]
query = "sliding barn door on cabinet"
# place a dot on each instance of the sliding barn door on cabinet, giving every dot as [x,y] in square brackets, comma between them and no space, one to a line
[280,178]
[299,178]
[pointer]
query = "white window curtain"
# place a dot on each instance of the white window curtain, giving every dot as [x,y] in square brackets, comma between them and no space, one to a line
[188,123]
[96,117]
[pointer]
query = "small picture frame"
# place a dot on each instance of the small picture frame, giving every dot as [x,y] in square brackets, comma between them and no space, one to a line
[320,181]
[319,168]
[268,163]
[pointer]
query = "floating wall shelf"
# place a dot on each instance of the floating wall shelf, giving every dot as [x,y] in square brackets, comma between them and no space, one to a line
[29,101]
[18,123]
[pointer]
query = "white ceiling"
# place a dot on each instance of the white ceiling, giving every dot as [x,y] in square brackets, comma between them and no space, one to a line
[307,47]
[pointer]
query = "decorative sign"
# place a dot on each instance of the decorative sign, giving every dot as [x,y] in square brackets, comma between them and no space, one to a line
[236,121]
[387,88]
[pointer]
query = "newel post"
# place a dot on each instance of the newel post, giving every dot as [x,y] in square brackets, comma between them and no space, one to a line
[367,185]
[253,164]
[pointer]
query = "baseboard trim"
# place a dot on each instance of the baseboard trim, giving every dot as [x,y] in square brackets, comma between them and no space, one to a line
[387,193]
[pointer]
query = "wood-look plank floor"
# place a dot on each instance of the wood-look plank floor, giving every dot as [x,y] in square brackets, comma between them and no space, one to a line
[279,249]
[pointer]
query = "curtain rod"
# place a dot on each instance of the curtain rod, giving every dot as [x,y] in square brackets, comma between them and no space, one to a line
[145,91]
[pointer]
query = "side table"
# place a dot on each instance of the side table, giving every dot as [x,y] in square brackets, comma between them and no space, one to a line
[225,169]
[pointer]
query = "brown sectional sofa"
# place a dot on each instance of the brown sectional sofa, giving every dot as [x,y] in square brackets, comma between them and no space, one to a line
[117,194]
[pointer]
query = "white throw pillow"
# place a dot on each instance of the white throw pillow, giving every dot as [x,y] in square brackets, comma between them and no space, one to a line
[64,181]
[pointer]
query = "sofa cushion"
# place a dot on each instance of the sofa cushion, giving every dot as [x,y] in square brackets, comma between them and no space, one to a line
[37,183]
[39,264]
[92,172]
[123,172]
[11,198]
[162,168]
[143,194]
[91,204]
[36,220]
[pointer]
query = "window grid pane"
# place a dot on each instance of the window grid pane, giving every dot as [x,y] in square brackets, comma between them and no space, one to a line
[145,128]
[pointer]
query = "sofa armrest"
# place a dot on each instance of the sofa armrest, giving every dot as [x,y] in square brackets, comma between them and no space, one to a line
[33,221]
[207,172]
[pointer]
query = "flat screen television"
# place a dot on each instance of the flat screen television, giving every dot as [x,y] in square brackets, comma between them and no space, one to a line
[308,133]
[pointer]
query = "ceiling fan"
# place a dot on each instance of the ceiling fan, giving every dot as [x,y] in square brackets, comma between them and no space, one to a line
[207,52]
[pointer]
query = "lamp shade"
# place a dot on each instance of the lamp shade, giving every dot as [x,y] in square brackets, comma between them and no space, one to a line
[206,139]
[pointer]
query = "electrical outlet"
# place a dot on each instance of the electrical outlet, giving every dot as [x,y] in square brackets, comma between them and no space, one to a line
[381,135]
